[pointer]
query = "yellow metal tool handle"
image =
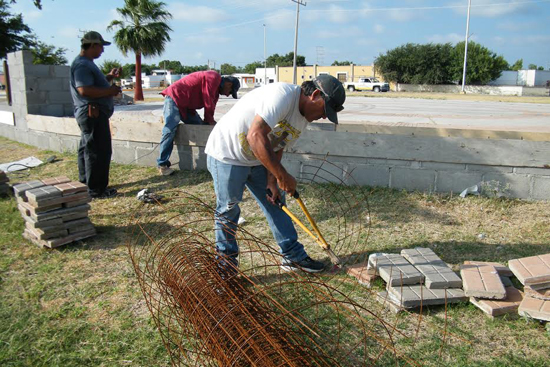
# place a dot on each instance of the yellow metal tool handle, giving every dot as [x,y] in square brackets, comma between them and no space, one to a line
[325,245]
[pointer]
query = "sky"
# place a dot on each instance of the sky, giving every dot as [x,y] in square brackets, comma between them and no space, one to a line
[232,31]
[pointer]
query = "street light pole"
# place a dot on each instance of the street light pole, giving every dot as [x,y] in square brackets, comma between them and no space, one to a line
[265,61]
[298,3]
[466,46]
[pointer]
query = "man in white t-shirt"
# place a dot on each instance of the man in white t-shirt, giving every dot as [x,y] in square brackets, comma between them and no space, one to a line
[245,149]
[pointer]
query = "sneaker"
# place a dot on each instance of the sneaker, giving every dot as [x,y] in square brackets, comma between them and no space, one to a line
[165,171]
[108,193]
[308,265]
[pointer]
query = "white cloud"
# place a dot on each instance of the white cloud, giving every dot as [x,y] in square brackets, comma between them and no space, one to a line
[402,15]
[196,14]
[337,14]
[207,38]
[69,32]
[516,26]
[378,28]
[281,19]
[444,38]
[198,55]
[32,15]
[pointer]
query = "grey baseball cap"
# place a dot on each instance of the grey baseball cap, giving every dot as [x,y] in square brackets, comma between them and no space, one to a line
[94,37]
[334,95]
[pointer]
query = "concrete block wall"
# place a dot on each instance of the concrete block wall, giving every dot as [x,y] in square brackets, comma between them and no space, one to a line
[39,89]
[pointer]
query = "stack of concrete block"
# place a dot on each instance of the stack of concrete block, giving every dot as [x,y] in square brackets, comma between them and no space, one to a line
[416,277]
[534,273]
[4,186]
[489,287]
[55,211]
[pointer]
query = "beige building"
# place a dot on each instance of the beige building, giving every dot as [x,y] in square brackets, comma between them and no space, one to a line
[349,73]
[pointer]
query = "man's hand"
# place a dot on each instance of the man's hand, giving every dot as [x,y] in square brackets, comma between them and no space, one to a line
[115,72]
[287,183]
[115,90]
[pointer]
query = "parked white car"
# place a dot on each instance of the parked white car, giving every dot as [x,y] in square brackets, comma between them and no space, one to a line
[370,83]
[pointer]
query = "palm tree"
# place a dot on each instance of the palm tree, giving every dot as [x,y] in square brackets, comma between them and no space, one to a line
[142,31]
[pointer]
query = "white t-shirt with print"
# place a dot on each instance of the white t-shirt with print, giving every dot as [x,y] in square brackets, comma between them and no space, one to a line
[277,104]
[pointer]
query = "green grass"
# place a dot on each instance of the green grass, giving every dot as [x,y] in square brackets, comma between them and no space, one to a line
[81,305]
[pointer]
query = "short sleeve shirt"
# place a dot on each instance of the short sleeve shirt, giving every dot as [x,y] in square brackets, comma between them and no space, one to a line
[277,104]
[85,73]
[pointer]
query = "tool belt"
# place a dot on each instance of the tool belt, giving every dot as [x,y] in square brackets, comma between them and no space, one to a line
[93,110]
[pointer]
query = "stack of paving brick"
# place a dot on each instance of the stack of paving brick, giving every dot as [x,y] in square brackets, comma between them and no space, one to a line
[55,211]
[4,186]
[534,273]
[489,287]
[416,277]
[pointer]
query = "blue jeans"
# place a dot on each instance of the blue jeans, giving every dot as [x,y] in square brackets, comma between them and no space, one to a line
[229,184]
[172,117]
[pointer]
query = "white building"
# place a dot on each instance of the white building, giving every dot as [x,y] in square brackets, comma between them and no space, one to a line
[268,74]
[246,80]
[159,79]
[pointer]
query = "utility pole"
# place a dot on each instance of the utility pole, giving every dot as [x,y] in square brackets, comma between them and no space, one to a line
[466,46]
[298,3]
[265,61]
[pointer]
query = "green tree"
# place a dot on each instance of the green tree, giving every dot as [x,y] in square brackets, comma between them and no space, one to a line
[109,65]
[192,69]
[518,65]
[128,70]
[251,68]
[14,33]
[143,31]
[535,67]
[175,66]
[37,3]
[228,69]
[417,64]
[285,60]
[341,63]
[483,65]
[48,54]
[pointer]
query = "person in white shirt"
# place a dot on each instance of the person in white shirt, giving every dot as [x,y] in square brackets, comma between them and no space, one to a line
[245,150]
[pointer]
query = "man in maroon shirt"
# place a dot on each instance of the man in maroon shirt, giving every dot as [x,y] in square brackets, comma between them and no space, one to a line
[181,100]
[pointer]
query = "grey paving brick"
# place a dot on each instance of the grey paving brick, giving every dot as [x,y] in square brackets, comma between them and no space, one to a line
[80,201]
[44,223]
[389,301]
[42,194]
[411,296]
[78,211]
[437,273]
[395,269]
[22,188]
[62,199]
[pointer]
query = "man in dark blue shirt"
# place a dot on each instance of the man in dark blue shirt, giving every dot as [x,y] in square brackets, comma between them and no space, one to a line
[93,94]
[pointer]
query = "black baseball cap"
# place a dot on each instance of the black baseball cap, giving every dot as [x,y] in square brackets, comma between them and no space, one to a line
[235,85]
[334,95]
[93,37]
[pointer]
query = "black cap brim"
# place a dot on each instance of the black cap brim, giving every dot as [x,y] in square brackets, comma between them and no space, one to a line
[330,113]
[105,43]
[234,94]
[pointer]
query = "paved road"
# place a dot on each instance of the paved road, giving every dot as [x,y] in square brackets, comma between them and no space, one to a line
[407,112]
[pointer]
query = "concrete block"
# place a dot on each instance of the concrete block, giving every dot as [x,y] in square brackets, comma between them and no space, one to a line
[518,186]
[320,171]
[72,187]
[438,275]
[34,109]
[61,71]
[395,270]
[489,169]
[55,143]
[60,97]
[65,214]
[7,131]
[456,181]
[50,84]
[482,281]
[21,189]
[124,155]
[292,167]
[40,140]
[146,156]
[532,270]
[454,167]
[497,308]
[412,179]
[40,71]
[68,110]
[389,302]
[389,162]
[199,158]
[22,136]
[532,171]
[535,308]
[412,296]
[183,155]
[69,144]
[52,181]
[370,175]
[37,98]
[541,188]
[56,110]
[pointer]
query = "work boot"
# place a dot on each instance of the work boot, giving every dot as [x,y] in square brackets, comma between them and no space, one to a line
[308,265]
[165,171]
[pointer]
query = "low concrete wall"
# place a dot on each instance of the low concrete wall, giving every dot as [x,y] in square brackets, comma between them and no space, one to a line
[476,89]
[404,161]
